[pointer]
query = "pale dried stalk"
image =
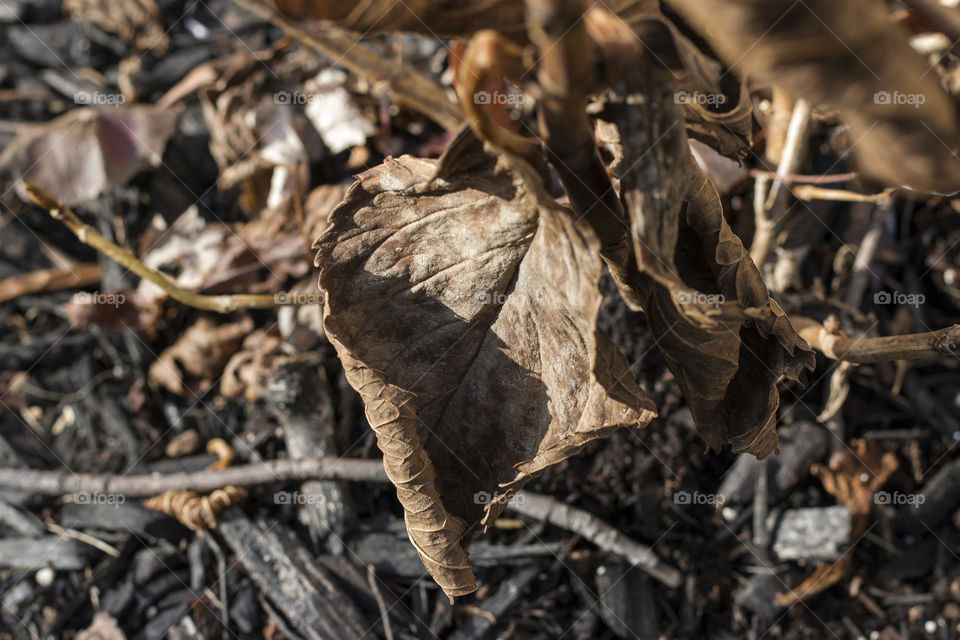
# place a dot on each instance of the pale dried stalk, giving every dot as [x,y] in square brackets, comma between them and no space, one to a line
[808,192]
[914,346]
[91,237]
[767,206]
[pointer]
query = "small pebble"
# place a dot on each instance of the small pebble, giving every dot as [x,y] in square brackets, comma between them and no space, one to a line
[45,576]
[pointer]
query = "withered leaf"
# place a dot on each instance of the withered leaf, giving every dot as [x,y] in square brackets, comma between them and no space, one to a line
[201,353]
[722,120]
[848,55]
[462,302]
[87,151]
[727,342]
[853,476]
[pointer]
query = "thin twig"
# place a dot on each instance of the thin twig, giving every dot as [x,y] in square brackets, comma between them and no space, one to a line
[85,538]
[809,192]
[799,178]
[91,237]
[914,346]
[767,205]
[381,605]
[596,531]
[587,525]
[76,276]
[59,483]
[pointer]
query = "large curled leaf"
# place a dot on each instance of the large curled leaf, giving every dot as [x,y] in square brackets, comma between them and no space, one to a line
[727,342]
[849,55]
[462,302]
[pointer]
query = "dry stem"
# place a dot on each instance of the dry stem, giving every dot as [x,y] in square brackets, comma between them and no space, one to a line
[587,525]
[91,237]
[914,346]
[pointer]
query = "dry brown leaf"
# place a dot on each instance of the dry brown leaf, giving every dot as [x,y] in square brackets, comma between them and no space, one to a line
[138,22]
[462,302]
[87,151]
[247,371]
[199,512]
[200,353]
[852,56]
[853,476]
[116,310]
[722,119]
[727,342]
[823,577]
[193,510]
[255,257]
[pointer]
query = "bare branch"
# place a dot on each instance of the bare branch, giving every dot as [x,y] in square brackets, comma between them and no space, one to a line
[837,345]
[539,507]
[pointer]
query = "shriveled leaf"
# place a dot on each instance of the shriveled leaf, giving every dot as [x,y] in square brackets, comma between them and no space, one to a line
[259,135]
[854,475]
[722,120]
[727,342]
[199,356]
[849,55]
[248,370]
[462,302]
[87,151]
